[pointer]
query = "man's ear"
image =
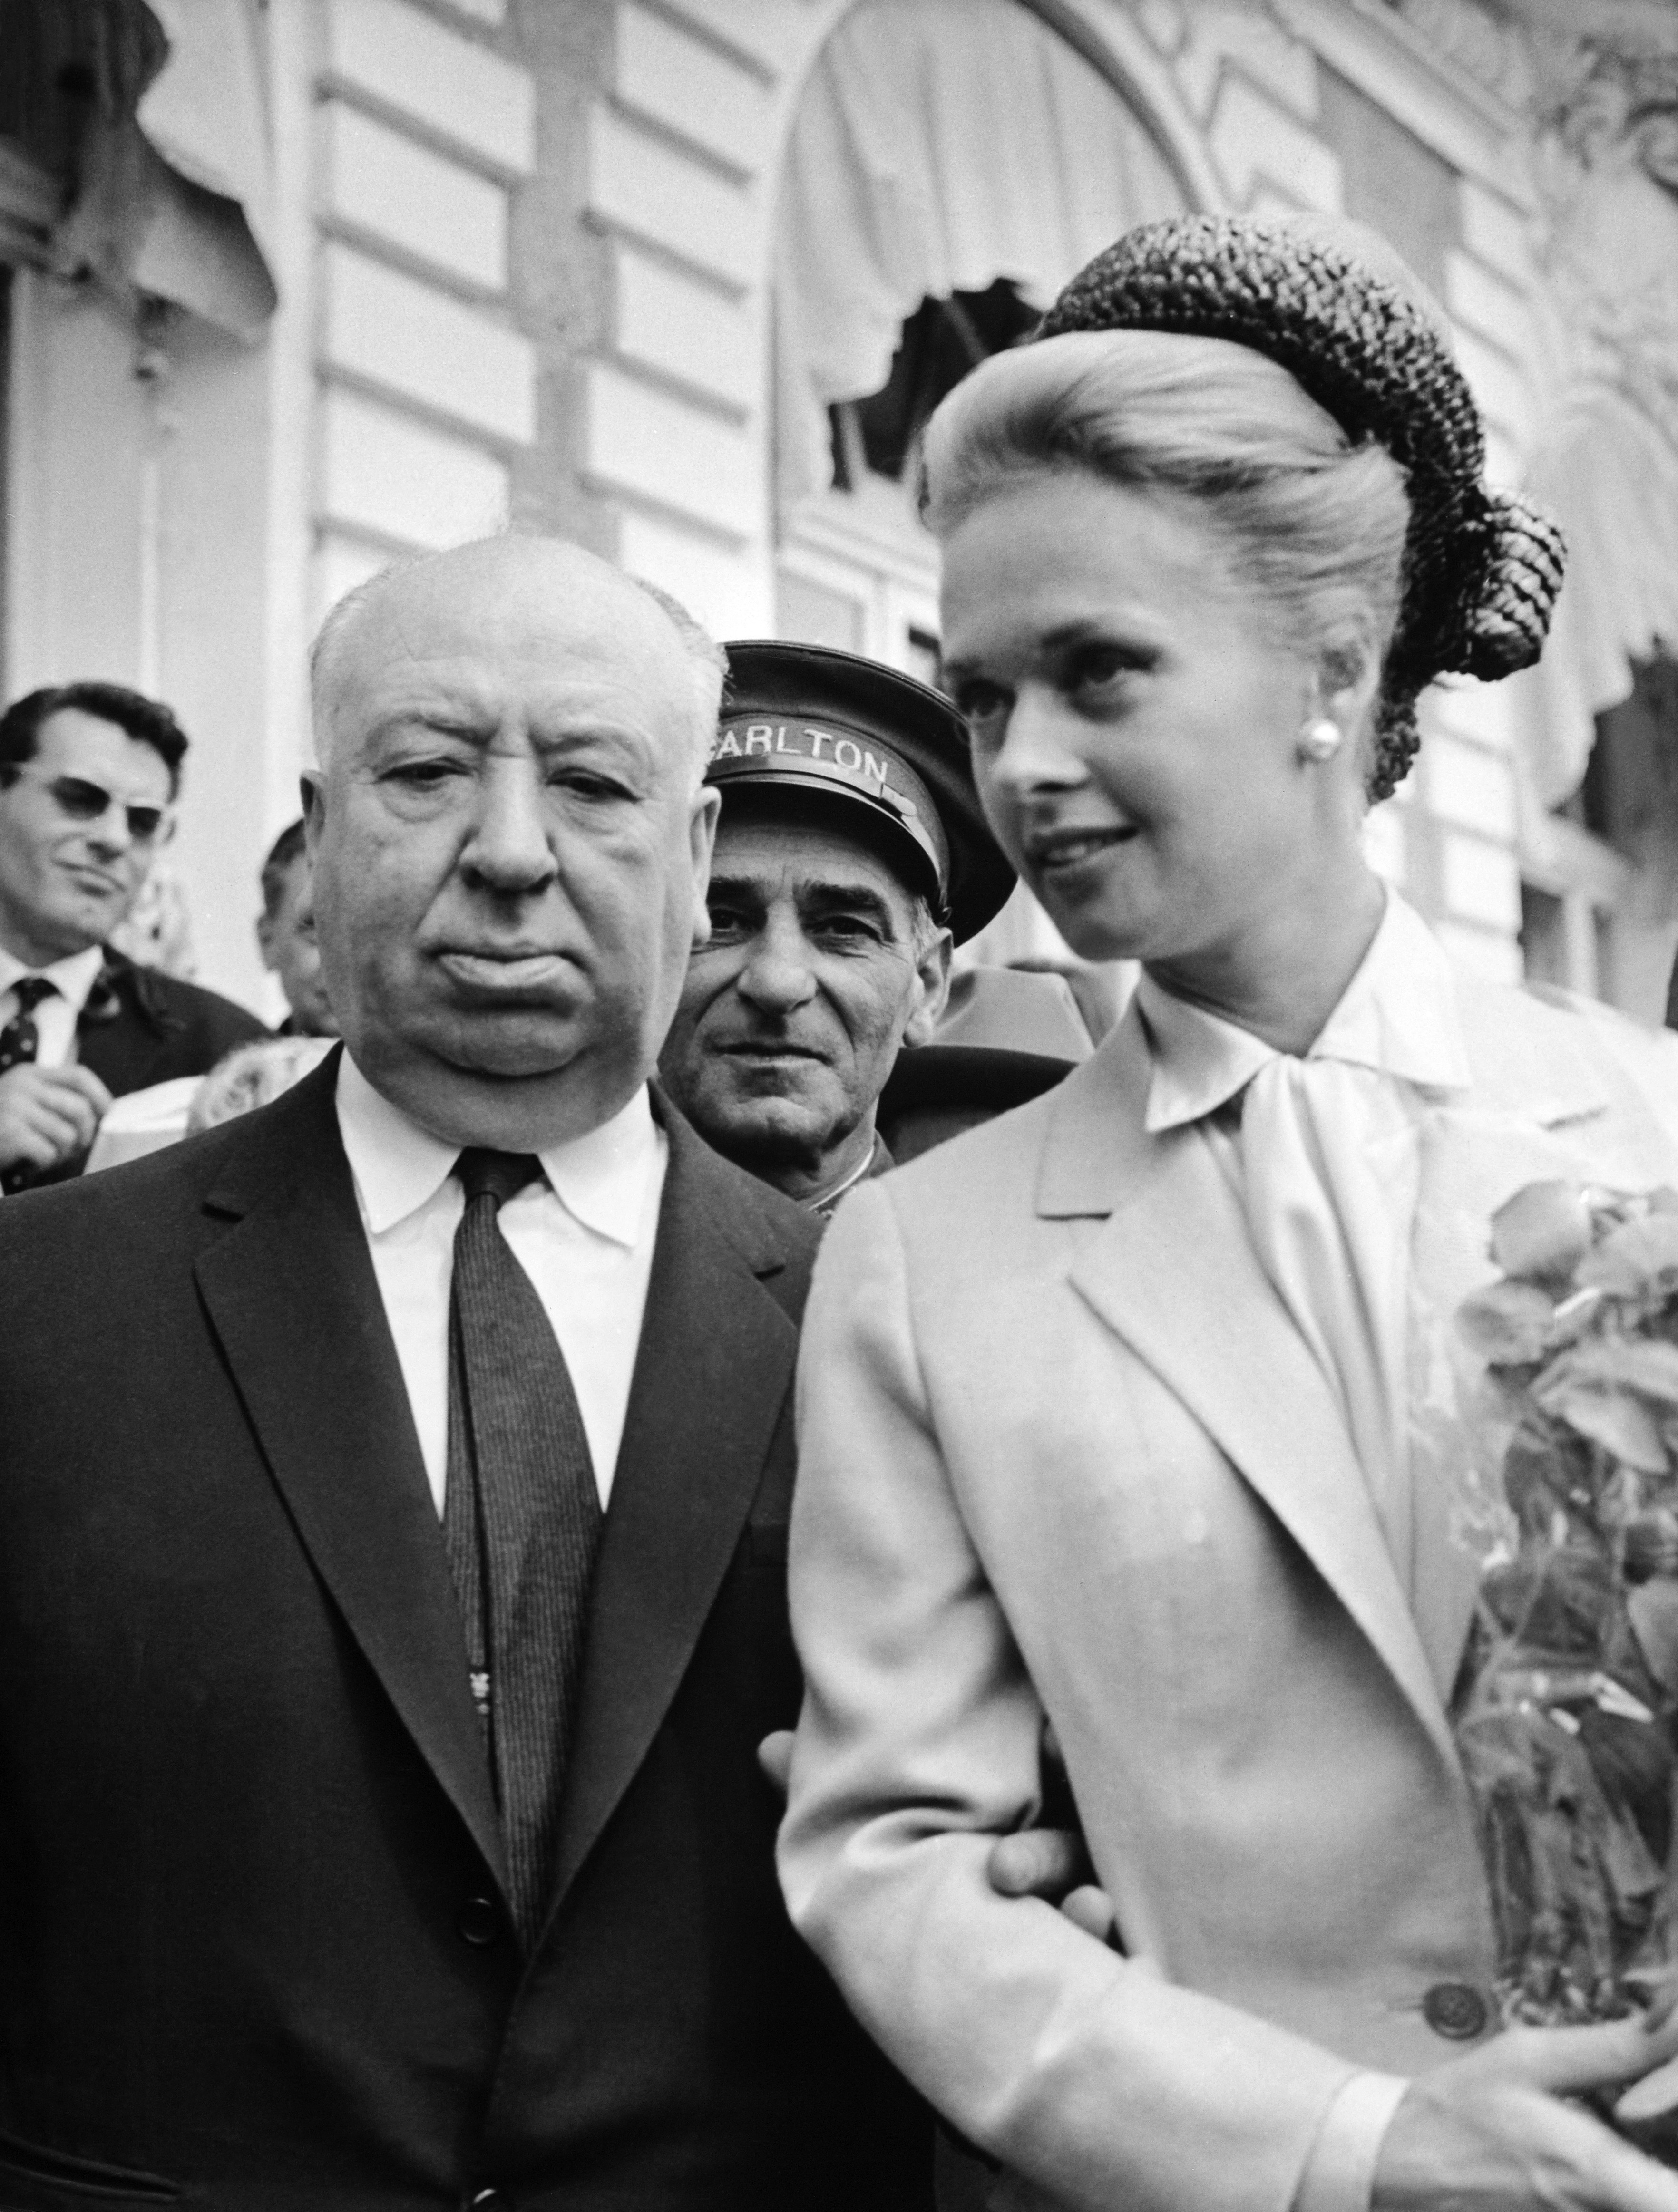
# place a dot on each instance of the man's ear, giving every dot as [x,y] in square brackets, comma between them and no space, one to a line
[265,940]
[702,838]
[933,974]
[312,791]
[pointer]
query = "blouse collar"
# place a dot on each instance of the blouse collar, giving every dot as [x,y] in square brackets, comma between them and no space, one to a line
[1397,1016]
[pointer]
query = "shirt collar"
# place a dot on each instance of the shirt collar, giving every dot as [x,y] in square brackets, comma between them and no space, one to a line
[73,977]
[600,1178]
[1398,1016]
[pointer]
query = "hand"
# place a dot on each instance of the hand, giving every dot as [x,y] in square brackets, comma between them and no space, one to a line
[1491,2132]
[48,1115]
[1047,1862]
[1053,1864]
[774,1756]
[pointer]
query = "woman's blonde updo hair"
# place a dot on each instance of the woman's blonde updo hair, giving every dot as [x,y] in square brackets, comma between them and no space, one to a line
[1315,528]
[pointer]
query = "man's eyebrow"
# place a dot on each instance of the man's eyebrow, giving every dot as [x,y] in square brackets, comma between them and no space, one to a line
[823,895]
[861,898]
[576,737]
[470,729]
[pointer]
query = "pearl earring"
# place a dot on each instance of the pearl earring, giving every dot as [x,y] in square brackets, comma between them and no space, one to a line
[1320,740]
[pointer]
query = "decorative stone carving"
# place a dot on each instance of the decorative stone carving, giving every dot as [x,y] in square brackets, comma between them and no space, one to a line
[1600,115]
[1606,168]
[1480,44]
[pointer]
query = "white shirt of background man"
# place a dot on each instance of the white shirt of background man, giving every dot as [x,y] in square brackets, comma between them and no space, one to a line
[56,1016]
[584,1236]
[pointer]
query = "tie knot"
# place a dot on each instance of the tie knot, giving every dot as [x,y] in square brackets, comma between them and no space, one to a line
[500,1175]
[30,990]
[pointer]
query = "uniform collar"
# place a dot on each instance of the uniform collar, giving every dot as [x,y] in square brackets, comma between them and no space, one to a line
[826,1202]
[600,1178]
[1397,1016]
[73,977]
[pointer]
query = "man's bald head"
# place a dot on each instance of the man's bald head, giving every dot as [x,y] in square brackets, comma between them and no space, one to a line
[550,558]
[511,835]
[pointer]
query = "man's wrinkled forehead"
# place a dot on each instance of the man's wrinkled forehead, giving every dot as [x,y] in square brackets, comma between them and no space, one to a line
[536,662]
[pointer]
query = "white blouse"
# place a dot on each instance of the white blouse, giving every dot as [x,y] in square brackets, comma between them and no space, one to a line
[1324,1152]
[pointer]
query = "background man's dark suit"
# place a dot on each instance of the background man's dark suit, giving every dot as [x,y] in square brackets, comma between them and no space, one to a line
[253,1936]
[141,1026]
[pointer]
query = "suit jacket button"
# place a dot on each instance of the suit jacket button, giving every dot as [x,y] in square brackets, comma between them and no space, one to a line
[489,2200]
[1455,2011]
[479,1922]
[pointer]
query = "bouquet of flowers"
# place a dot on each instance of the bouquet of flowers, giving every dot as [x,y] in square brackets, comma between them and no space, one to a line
[1566,1708]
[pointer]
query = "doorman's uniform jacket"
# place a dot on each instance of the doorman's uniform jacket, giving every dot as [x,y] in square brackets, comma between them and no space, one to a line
[254,1940]
[1063,1452]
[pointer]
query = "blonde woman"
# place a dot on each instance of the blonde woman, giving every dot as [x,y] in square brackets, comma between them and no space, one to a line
[1113,1413]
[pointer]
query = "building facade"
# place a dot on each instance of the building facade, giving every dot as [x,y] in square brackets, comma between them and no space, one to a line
[297,288]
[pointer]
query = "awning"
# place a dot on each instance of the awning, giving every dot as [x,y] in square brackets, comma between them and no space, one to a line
[1609,475]
[938,145]
[174,198]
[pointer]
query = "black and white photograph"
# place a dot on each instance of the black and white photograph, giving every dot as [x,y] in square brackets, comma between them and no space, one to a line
[839,1105]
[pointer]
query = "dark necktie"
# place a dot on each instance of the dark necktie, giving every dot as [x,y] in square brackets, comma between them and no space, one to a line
[21,1041]
[521,1521]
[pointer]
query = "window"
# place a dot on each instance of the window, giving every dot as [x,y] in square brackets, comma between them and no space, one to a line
[1600,902]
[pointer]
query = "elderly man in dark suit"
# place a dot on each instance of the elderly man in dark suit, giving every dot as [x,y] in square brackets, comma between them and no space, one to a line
[393,1545]
[88,773]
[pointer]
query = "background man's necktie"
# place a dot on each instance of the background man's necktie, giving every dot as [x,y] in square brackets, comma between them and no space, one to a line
[521,1521]
[20,1040]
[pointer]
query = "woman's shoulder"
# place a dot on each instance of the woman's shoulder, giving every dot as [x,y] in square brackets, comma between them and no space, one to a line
[956,1222]
[996,1170]
[1555,1052]
[984,1170]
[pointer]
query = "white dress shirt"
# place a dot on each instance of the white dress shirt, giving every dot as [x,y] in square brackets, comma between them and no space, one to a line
[56,1017]
[1326,1160]
[584,1236]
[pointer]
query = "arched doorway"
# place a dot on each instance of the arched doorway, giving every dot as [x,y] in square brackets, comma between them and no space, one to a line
[950,164]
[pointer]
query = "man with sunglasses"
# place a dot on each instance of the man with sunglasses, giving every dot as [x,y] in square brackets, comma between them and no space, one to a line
[89,776]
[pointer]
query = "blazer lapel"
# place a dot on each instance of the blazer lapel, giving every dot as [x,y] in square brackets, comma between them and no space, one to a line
[711,1380]
[1174,1274]
[291,1295]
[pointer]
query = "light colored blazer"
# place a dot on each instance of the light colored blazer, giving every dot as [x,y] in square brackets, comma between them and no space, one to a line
[1063,1454]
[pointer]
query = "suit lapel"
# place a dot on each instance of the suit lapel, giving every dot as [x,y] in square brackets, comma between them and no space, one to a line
[711,1380]
[118,1036]
[1173,1273]
[291,1295]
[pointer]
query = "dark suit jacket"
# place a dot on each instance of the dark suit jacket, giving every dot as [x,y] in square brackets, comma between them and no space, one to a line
[248,1851]
[146,1027]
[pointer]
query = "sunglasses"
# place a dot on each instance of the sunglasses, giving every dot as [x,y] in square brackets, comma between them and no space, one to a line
[78,800]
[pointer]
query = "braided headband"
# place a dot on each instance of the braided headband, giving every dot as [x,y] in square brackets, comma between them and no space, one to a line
[1481,568]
